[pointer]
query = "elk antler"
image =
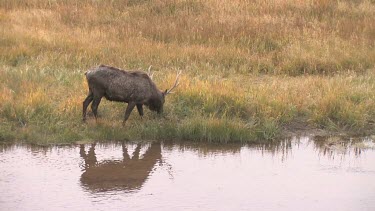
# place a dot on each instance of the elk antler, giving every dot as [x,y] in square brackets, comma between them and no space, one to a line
[149,72]
[176,83]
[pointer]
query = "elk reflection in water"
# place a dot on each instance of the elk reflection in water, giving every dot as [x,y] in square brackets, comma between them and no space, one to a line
[127,174]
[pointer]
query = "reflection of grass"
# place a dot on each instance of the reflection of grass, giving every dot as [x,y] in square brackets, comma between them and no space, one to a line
[245,74]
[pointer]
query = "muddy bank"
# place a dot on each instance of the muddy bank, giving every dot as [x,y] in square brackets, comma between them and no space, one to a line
[301,127]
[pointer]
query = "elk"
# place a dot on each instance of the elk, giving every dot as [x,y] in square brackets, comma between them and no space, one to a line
[135,88]
[129,173]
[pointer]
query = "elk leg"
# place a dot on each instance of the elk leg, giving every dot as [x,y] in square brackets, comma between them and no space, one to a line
[82,152]
[83,155]
[86,103]
[94,106]
[140,109]
[125,153]
[91,156]
[129,109]
[136,152]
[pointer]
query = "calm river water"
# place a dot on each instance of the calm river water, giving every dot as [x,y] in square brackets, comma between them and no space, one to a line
[299,174]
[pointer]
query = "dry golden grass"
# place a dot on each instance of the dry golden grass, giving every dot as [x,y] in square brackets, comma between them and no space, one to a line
[249,66]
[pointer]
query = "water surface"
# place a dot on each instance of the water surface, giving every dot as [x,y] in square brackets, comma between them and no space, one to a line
[299,174]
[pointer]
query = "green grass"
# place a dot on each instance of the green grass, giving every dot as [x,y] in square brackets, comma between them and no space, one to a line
[250,69]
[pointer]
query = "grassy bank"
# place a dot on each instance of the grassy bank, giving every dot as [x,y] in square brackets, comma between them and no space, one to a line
[251,69]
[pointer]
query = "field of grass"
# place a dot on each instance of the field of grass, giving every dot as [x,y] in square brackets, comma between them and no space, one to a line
[251,69]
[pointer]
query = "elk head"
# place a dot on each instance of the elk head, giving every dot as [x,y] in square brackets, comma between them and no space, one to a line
[157,104]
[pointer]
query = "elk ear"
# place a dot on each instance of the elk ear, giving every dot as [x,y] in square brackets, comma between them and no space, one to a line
[165,92]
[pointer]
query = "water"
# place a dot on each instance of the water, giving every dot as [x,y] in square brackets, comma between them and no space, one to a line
[300,174]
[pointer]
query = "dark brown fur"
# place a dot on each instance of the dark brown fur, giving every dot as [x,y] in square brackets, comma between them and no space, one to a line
[130,173]
[133,87]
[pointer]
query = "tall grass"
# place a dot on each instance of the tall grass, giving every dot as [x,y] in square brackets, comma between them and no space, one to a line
[250,67]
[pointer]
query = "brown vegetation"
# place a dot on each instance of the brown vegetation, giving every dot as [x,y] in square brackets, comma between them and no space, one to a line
[251,68]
